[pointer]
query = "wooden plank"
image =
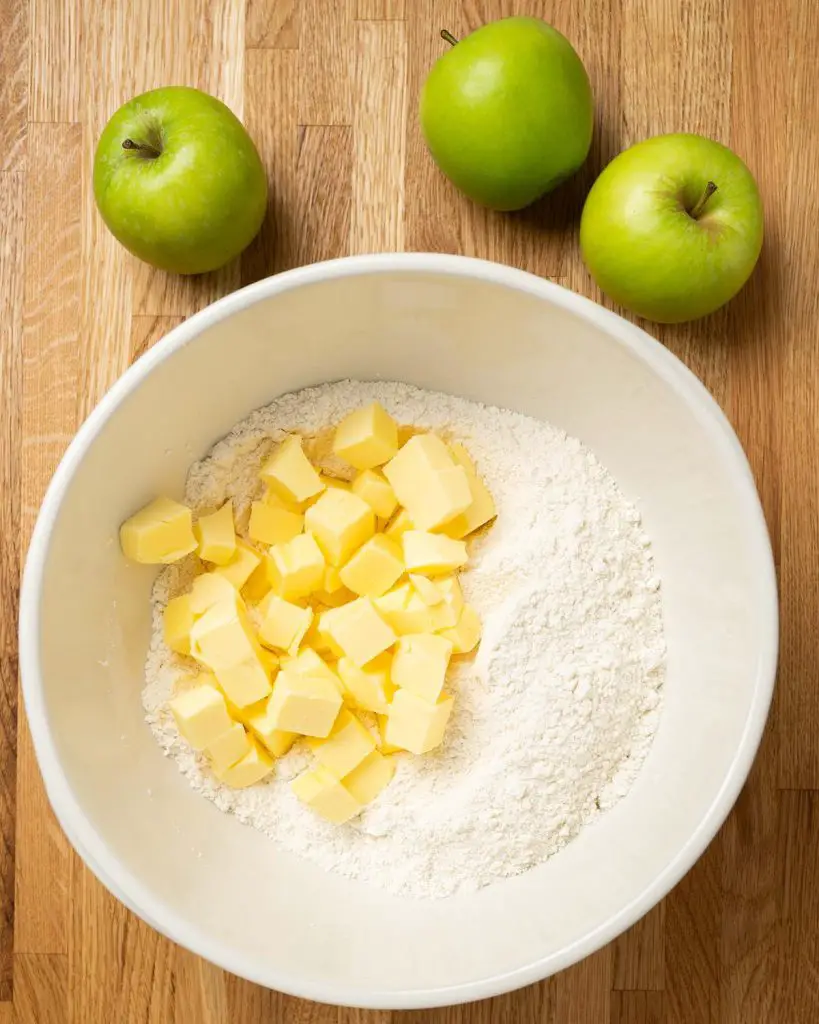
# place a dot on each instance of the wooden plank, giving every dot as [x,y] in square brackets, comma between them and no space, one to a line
[12,209]
[57,52]
[380,10]
[325,45]
[273,25]
[14,83]
[798,977]
[146,331]
[41,989]
[324,176]
[583,992]
[639,954]
[379,133]
[637,1008]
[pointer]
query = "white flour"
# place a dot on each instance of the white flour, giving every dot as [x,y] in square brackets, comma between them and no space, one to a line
[554,716]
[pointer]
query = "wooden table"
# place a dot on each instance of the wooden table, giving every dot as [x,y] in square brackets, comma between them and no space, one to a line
[329,90]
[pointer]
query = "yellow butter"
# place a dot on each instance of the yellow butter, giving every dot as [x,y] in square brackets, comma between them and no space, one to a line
[257,586]
[369,688]
[481,510]
[160,533]
[252,768]
[367,437]
[309,662]
[228,748]
[429,593]
[326,795]
[216,535]
[308,705]
[415,724]
[340,522]
[375,489]
[289,473]
[427,482]
[271,525]
[283,623]
[383,746]
[245,682]
[374,568]
[407,612]
[347,745]
[261,723]
[223,636]
[399,524]
[295,569]
[369,777]
[201,715]
[241,566]
[466,633]
[420,664]
[450,589]
[432,554]
[177,622]
[334,481]
[209,589]
[357,630]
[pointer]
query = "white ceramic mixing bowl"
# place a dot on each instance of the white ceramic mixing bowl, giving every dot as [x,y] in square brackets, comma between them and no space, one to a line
[475,329]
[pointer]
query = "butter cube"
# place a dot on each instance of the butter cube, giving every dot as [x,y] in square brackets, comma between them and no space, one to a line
[269,662]
[374,568]
[375,489]
[319,641]
[257,586]
[216,535]
[290,474]
[283,623]
[209,589]
[252,768]
[420,664]
[399,525]
[369,688]
[177,623]
[308,705]
[261,723]
[347,745]
[466,633]
[450,589]
[432,554]
[340,522]
[383,746]
[244,683]
[429,593]
[222,636]
[367,779]
[309,663]
[160,533]
[201,715]
[296,569]
[406,612]
[358,630]
[367,437]
[325,794]
[334,481]
[482,509]
[228,748]
[414,724]
[427,482]
[241,566]
[271,525]
[271,498]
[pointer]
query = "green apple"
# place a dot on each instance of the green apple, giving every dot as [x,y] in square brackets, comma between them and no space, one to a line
[507,113]
[672,228]
[178,180]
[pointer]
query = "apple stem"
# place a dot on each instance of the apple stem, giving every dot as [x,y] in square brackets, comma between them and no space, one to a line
[448,37]
[141,148]
[699,206]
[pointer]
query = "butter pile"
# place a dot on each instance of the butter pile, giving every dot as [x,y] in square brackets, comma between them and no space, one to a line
[343,598]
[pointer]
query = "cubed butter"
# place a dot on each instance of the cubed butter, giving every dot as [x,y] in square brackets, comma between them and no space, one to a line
[201,715]
[374,568]
[383,746]
[289,473]
[269,661]
[257,586]
[272,525]
[414,724]
[223,636]
[160,533]
[209,589]
[432,554]
[295,569]
[420,664]
[399,524]
[334,481]
[358,630]
[341,522]
[260,721]
[244,683]
[177,622]
[283,623]
[326,795]
[427,482]
[481,510]
[318,641]
[429,593]
[308,705]
[407,612]
[347,745]
[252,768]
[369,777]
[369,688]
[228,748]
[367,437]
[216,535]
[375,489]
[450,589]
[241,566]
[309,663]
[466,633]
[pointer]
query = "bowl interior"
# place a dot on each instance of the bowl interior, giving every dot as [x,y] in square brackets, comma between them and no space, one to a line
[501,338]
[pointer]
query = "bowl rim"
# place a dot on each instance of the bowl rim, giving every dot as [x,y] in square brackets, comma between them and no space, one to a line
[139,898]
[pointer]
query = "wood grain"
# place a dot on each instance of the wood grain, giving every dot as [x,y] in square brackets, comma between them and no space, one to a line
[329,90]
